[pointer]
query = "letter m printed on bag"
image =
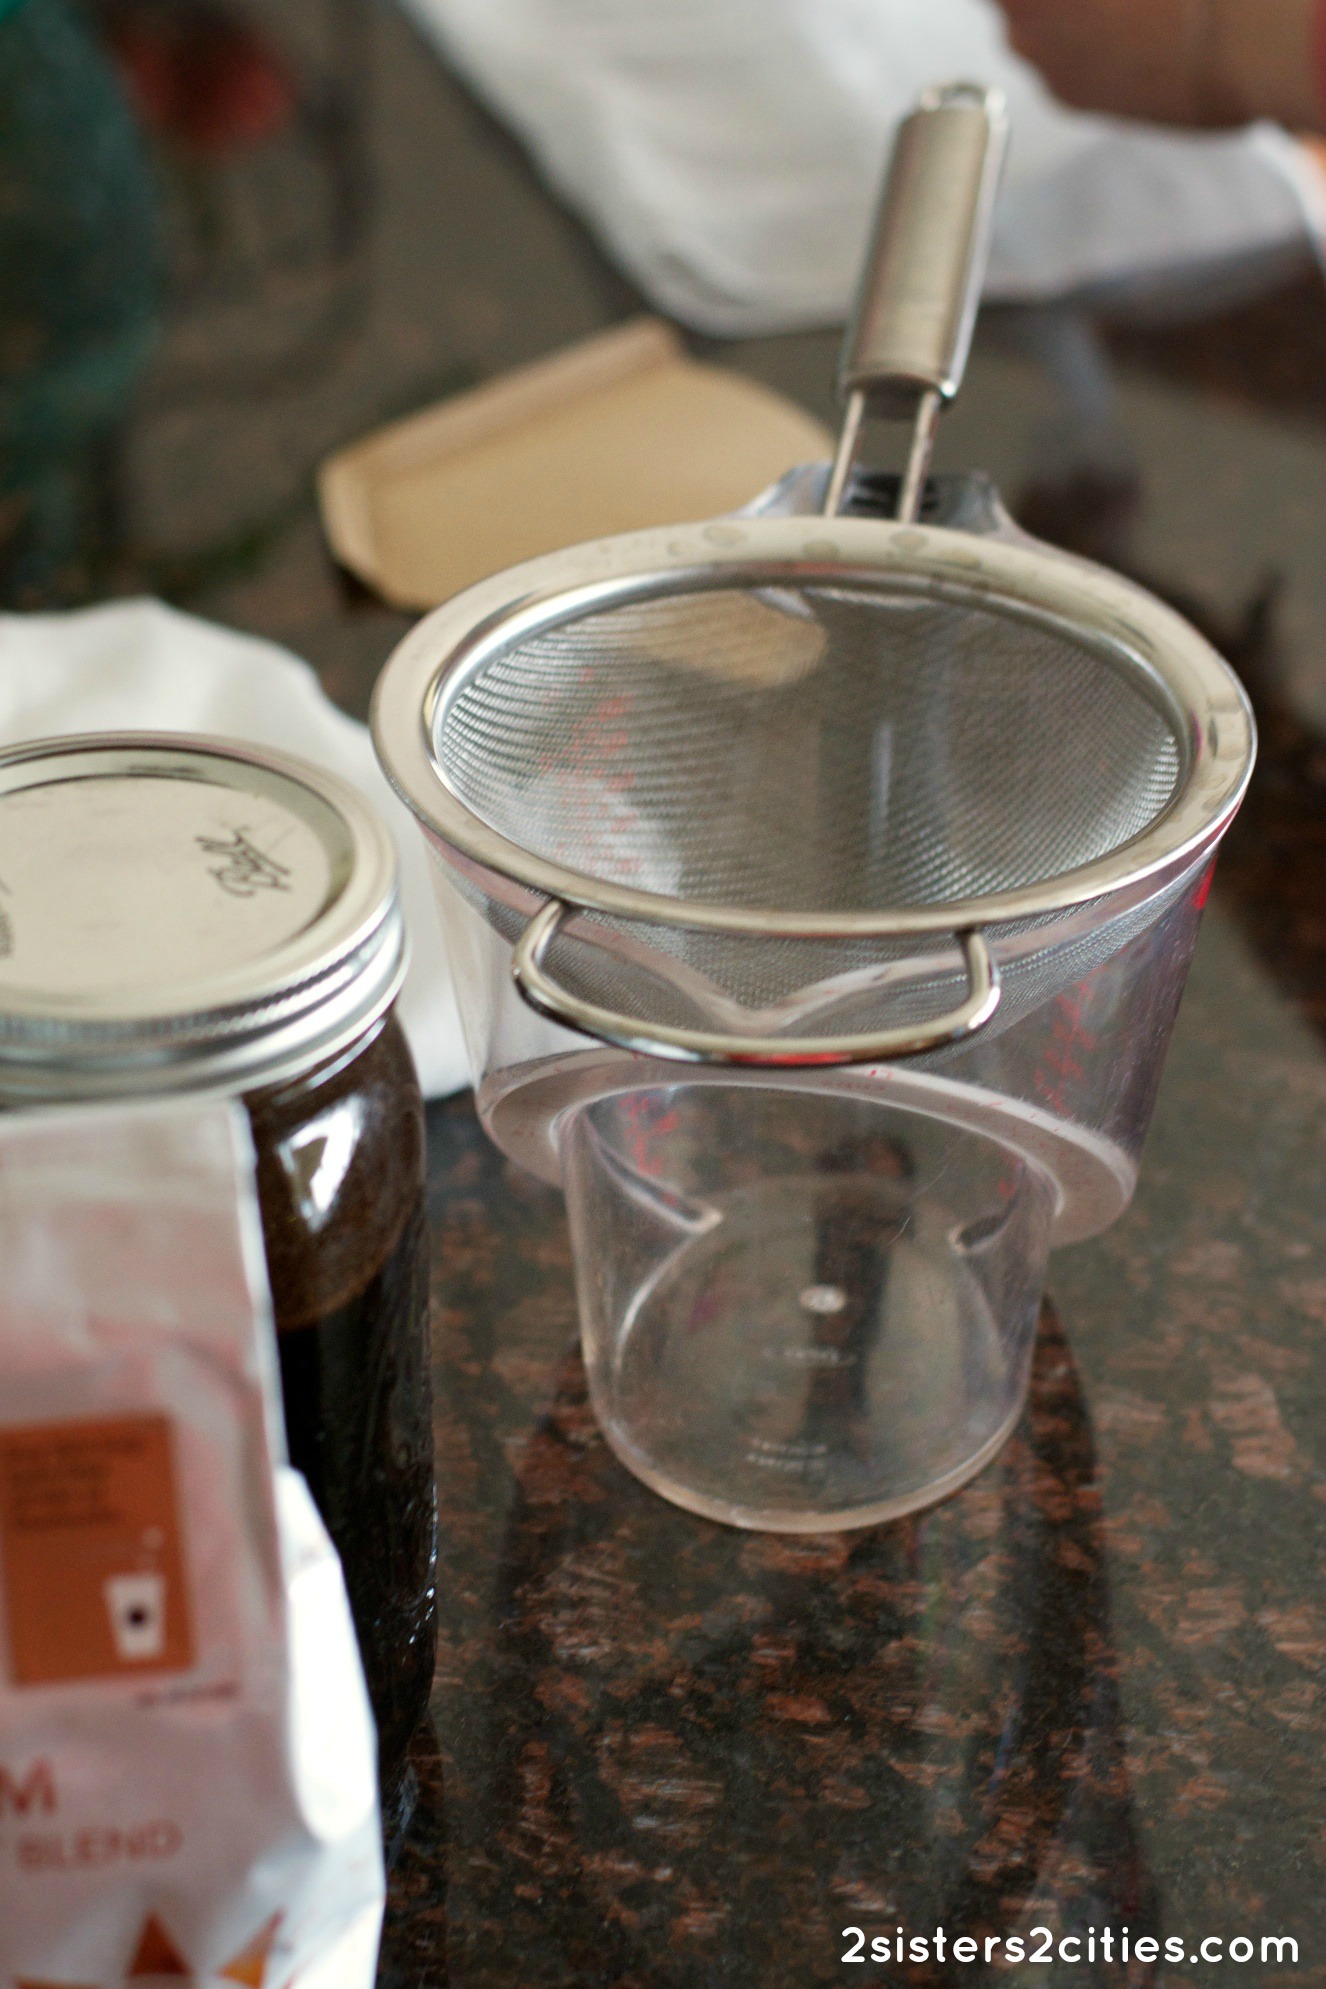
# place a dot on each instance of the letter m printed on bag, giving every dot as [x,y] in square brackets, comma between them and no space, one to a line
[32,1794]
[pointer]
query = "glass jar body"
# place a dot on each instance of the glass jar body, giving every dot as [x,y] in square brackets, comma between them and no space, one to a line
[340,1151]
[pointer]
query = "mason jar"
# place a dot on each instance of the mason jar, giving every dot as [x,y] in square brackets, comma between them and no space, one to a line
[185,914]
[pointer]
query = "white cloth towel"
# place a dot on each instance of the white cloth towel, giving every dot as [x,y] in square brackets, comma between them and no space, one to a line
[140,666]
[727,152]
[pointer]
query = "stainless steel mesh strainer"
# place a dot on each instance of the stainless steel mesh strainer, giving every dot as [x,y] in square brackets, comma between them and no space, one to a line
[805,791]
[952,752]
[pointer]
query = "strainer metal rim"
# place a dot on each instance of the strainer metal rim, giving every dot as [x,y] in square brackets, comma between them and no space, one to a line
[1163,655]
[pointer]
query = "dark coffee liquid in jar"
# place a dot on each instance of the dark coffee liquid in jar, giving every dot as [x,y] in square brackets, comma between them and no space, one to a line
[183,914]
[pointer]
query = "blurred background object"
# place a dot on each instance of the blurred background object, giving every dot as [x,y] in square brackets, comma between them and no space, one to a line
[1180,61]
[612,434]
[79,283]
[184,225]
[342,235]
[737,190]
[258,140]
[204,82]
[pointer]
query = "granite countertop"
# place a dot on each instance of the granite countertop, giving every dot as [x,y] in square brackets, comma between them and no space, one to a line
[1085,1692]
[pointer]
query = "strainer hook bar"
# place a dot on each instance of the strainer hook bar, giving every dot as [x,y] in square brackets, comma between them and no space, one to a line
[656,1039]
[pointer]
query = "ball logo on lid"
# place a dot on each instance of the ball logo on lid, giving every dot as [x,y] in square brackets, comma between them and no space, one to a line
[122,882]
[244,869]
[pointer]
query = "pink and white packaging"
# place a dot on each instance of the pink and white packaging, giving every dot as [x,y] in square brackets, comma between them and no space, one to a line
[187,1756]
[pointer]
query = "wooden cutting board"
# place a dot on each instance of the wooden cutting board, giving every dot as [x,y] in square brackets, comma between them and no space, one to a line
[619,432]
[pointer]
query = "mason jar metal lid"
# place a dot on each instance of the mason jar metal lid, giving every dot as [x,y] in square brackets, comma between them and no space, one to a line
[180,912]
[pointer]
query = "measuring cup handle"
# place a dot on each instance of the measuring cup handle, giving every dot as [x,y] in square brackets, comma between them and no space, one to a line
[656,1039]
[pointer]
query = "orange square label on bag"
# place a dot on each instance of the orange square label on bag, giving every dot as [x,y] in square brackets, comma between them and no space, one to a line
[90,1551]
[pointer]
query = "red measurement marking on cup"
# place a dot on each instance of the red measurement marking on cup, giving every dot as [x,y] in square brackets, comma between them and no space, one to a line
[709,1306]
[1060,1068]
[647,1121]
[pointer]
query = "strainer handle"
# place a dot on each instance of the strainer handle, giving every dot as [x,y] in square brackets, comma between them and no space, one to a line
[908,342]
[911,330]
[656,1039]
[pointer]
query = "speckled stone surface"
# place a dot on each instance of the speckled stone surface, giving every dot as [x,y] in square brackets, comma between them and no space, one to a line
[1085,1692]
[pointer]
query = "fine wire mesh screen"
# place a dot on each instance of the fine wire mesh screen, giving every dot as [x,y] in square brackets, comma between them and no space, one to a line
[828,749]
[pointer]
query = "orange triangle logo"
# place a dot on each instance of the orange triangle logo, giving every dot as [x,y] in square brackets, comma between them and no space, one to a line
[156,1953]
[249,1966]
